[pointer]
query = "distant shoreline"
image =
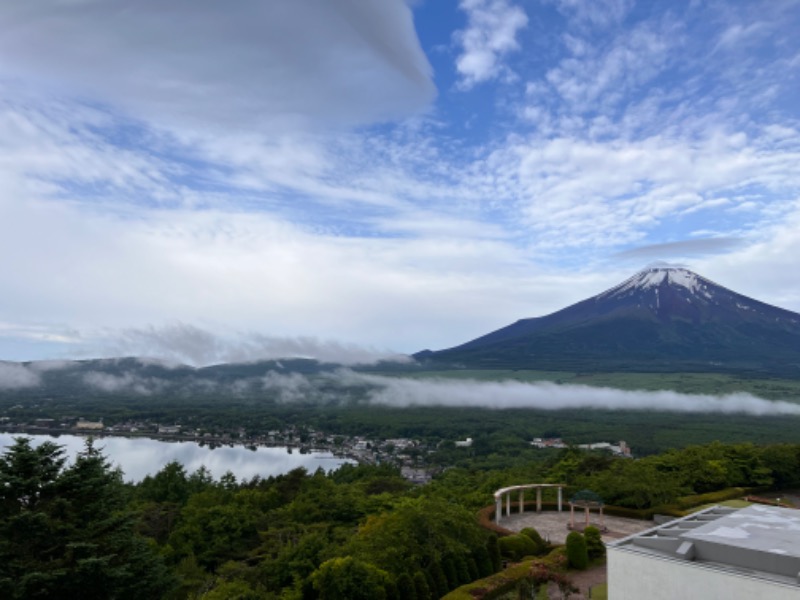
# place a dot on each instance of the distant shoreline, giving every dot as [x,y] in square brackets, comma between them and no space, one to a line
[212,442]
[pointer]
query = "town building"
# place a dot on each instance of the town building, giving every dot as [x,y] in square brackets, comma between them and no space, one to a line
[89,425]
[715,554]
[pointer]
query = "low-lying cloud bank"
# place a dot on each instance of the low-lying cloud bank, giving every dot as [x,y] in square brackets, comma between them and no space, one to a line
[402,392]
[344,385]
[16,375]
[188,344]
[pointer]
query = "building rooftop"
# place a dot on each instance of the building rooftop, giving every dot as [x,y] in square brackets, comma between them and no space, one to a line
[758,541]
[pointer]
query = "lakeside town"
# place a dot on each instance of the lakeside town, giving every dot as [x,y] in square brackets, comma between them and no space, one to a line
[409,455]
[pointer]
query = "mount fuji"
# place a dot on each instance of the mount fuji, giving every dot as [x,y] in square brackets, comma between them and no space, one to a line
[663,319]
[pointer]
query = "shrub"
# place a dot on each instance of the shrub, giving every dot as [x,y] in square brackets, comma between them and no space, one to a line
[516,547]
[501,584]
[711,497]
[577,554]
[541,546]
[594,543]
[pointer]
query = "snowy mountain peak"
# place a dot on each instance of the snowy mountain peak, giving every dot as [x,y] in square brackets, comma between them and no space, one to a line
[654,277]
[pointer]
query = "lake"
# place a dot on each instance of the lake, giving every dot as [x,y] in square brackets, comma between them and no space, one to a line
[138,457]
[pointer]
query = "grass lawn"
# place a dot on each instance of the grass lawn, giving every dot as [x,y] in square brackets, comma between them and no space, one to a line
[731,503]
[599,592]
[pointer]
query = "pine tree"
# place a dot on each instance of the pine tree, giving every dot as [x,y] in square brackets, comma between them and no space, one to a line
[494,553]
[405,587]
[421,586]
[66,533]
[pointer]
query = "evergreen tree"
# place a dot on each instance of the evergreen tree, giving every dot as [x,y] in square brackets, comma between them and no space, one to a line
[483,561]
[440,586]
[421,586]
[464,576]
[66,533]
[494,553]
[472,569]
[405,587]
[450,572]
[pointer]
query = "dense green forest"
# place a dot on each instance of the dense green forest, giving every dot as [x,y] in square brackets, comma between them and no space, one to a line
[74,529]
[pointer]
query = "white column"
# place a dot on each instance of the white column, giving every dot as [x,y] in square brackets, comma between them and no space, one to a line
[521,501]
[508,503]
[559,499]
[538,499]
[498,509]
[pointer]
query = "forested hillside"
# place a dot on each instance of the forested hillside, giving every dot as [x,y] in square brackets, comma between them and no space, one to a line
[359,532]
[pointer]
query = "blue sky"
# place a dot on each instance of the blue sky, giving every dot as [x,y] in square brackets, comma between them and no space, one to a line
[205,181]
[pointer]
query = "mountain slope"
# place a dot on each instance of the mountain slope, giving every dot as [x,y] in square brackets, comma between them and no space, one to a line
[661,319]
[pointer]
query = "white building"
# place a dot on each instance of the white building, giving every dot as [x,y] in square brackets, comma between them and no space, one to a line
[715,554]
[621,449]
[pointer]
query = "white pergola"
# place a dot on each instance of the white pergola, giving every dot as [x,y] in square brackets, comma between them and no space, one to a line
[520,489]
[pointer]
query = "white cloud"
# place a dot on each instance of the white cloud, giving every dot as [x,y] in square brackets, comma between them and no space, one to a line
[192,345]
[597,13]
[214,178]
[264,66]
[127,383]
[500,395]
[491,33]
[682,249]
[604,193]
[592,80]
[15,375]
[550,396]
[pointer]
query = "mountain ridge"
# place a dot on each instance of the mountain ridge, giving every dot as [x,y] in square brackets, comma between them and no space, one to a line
[660,319]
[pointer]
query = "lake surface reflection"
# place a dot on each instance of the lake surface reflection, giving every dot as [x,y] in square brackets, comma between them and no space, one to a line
[138,457]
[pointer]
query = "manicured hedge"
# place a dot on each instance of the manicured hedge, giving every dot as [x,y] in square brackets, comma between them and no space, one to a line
[711,497]
[495,586]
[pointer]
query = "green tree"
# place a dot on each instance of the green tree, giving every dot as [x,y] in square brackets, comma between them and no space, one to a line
[483,561]
[493,549]
[170,484]
[577,554]
[450,572]
[69,533]
[416,534]
[440,585]
[349,579]
[421,587]
[405,587]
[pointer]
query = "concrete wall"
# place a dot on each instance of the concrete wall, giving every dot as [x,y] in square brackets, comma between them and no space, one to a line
[635,576]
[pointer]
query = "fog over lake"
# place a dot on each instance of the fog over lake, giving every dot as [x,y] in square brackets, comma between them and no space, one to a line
[138,457]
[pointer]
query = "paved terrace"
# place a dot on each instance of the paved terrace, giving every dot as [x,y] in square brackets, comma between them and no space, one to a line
[552,525]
